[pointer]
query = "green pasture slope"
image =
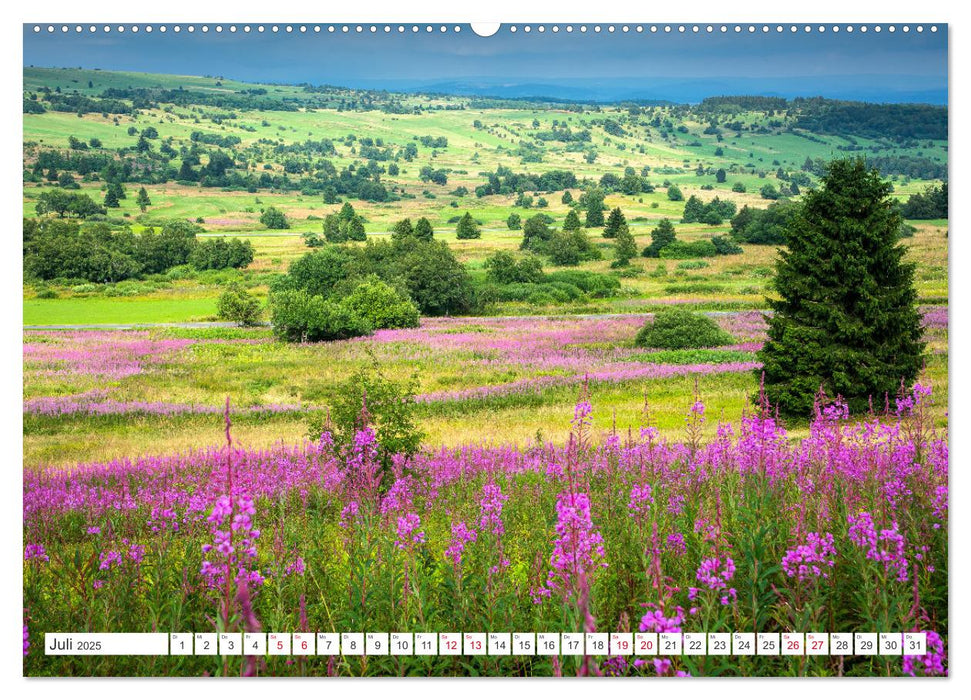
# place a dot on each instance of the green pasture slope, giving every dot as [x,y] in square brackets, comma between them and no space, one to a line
[671,144]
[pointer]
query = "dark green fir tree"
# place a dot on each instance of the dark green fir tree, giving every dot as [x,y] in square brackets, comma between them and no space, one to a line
[846,320]
[615,220]
[661,236]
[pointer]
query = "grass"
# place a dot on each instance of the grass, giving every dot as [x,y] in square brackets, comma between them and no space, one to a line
[252,370]
[158,308]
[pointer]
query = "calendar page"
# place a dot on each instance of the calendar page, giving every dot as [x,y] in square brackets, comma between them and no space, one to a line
[517,350]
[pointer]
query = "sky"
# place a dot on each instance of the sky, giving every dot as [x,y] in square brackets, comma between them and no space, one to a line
[678,67]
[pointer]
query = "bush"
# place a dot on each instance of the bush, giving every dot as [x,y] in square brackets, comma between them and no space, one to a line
[219,254]
[503,268]
[273,218]
[764,226]
[662,235]
[382,305]
[569,248]
[536,234]
[725,245]
[592,283]
[389,406]
[435,279]
[300,317]
[428,270]
[238,306]
[679,250]
[677,329]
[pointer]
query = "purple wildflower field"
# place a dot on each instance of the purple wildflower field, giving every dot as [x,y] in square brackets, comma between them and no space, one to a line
[719,525]
[843,530]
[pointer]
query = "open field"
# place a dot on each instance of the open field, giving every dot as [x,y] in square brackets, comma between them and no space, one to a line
[562,476]
[148,392]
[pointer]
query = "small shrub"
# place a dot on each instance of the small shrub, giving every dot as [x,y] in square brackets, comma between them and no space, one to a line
[677,329]
[679,250]
[389,407]
[238,306]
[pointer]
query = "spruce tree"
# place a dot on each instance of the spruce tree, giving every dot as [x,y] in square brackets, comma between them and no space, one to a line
[347,212]
[661,236]
[355,229]
[694,210]
[143,201]
[423,229]
[467,228]
[625,247]
[402,229]
[847,319]
[615,221]
[595,208]
[572,221]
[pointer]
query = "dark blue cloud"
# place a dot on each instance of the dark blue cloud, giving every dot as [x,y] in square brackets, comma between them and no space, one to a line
[586,66]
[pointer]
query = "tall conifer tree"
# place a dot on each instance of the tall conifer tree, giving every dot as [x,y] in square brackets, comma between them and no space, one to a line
[847,318]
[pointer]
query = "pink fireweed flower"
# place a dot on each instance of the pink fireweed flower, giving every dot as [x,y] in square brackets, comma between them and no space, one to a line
[810,559]
[715,575]
[136,553]
[917,397]
[886,546]
[676,503]
[931,663]
[234,549]
[94,530]
[220,510]
[675,544]
[349,514]
[108,560]
[35,551]
[295,567]
[97,584]
[408,532]
[640,500]
[364,467]
[163,519]
[581,413]
[654,620]
[578,548]
[490,509]
[26,639]
[461,535]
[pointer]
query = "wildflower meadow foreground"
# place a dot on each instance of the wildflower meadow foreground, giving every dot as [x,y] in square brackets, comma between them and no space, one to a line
[842,531]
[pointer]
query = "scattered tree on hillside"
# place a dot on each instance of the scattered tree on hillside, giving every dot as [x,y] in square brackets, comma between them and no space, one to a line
[467,228]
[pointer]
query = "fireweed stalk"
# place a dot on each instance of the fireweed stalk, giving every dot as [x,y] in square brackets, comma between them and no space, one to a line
[756,495]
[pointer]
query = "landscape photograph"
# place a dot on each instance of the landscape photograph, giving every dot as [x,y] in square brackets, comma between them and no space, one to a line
[568,330]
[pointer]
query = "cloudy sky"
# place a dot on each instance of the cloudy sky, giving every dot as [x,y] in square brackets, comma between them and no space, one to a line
[682,67]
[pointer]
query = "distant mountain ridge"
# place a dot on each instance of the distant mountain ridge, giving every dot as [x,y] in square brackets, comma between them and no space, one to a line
[681,90]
